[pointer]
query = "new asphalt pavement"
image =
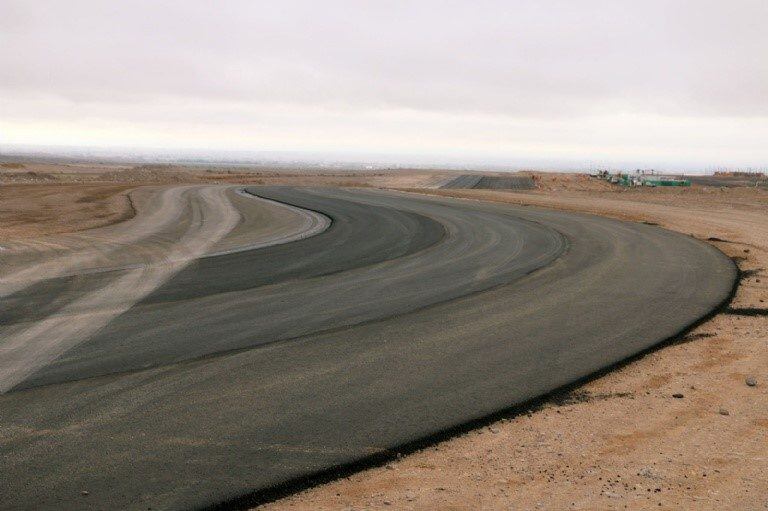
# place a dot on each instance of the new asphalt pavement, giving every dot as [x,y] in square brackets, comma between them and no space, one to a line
[254,363]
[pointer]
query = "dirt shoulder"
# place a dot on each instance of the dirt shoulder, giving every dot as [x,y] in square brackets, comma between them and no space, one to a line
[622,441]
[34,210]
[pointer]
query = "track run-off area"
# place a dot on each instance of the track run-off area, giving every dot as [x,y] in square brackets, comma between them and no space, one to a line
[227,340]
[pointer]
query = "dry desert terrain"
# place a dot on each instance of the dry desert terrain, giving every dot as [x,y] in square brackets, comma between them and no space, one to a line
[684,426]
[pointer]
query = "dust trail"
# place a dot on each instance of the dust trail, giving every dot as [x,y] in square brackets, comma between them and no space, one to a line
[26,351]
[312,224]
[170,209]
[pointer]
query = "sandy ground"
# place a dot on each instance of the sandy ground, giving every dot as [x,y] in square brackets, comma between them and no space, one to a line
[621,441]
[40,199]
[51,173]
[29,210]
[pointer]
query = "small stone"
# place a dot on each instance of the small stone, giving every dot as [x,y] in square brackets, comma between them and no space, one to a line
[723,411]
[751,381]
[85,492]
[678,395]
[493,430]
[387,503]
[649,473]
[389,466]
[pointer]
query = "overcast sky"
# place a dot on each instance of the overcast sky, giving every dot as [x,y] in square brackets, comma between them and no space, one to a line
[677,82]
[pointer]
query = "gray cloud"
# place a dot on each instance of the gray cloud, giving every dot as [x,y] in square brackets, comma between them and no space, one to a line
[143,61]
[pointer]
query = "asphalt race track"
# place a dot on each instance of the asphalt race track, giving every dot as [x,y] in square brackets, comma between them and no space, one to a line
[242,341]
[491,182]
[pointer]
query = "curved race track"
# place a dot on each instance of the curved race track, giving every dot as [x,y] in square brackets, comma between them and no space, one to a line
[360,321]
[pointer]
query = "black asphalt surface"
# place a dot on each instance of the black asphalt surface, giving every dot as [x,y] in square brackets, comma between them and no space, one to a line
[465,181]
[408,316]
[491,182]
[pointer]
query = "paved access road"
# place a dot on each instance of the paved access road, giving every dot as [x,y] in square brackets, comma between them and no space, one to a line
[369,319]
